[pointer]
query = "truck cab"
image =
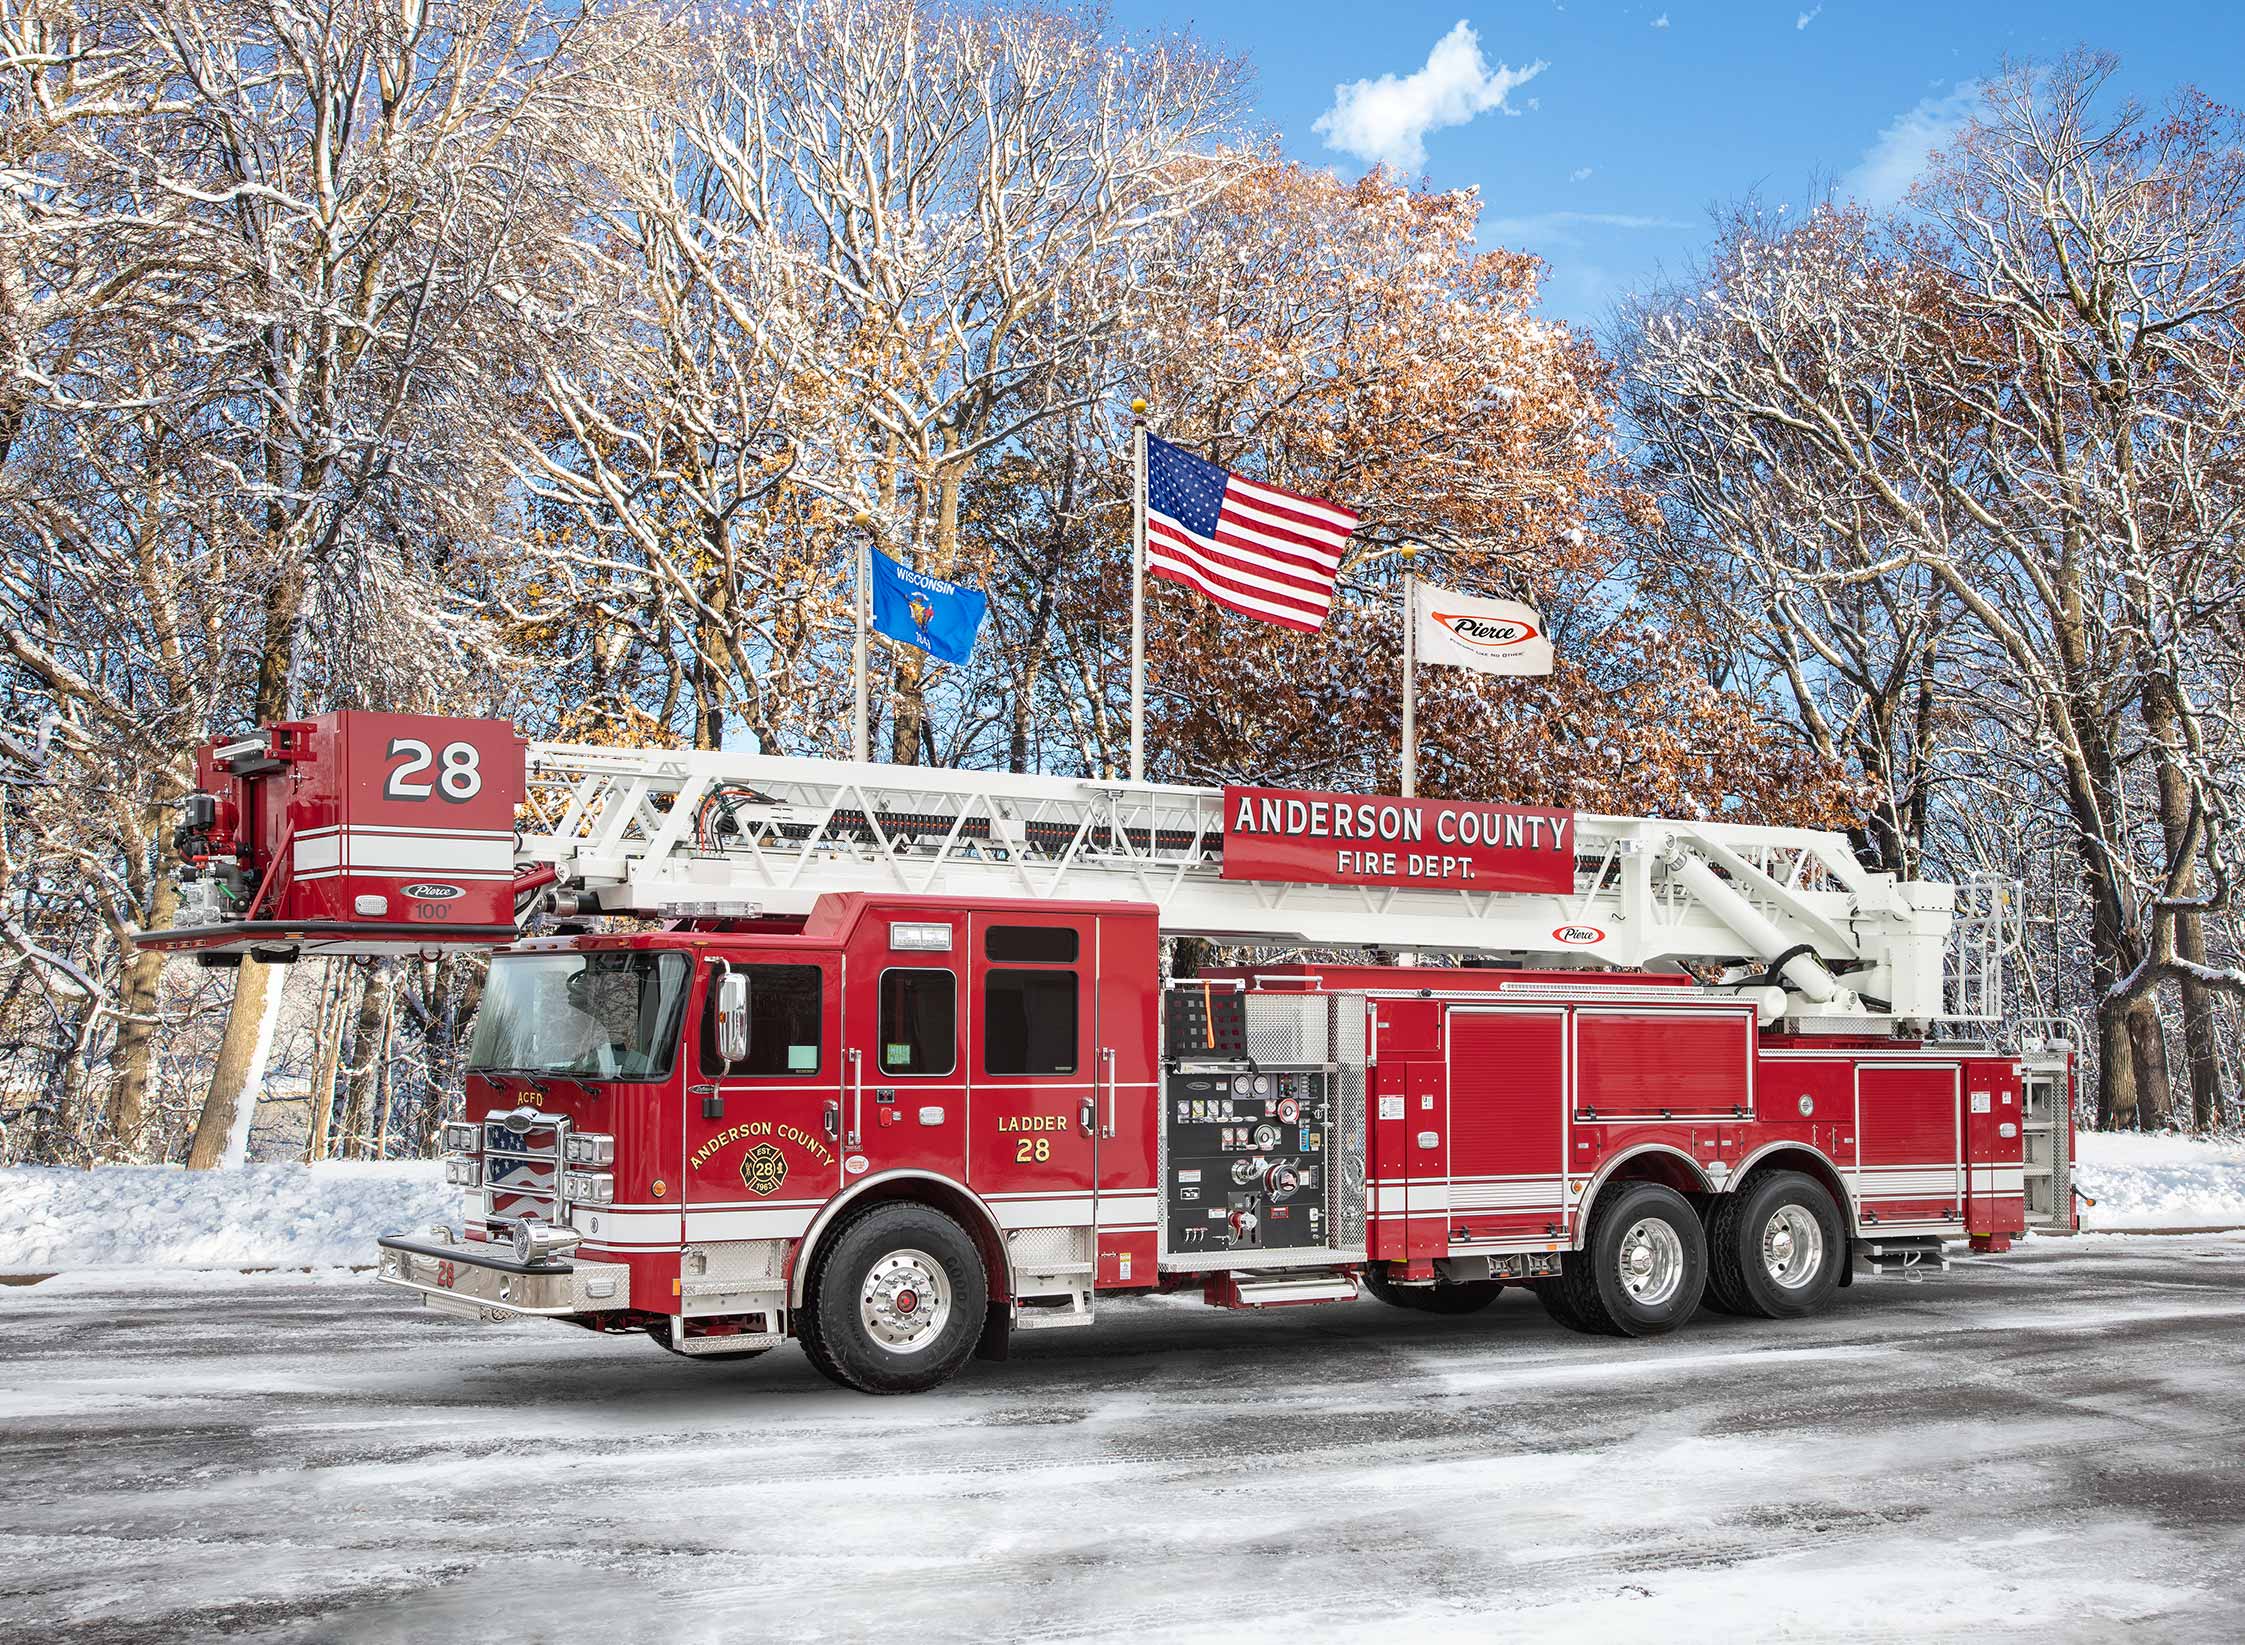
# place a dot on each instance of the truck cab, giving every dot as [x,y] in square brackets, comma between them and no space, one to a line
[682,1125]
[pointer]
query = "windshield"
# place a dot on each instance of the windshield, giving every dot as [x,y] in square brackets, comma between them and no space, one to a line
[612,1015]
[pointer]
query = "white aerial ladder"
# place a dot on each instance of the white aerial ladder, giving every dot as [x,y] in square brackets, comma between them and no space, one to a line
[1785,915]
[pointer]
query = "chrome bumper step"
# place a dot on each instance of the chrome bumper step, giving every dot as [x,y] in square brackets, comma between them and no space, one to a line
[458,1277]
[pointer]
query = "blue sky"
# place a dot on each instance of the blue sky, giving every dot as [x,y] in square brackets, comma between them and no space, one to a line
[1606,160]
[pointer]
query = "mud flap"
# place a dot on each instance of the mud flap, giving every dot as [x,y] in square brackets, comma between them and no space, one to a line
[996,1341]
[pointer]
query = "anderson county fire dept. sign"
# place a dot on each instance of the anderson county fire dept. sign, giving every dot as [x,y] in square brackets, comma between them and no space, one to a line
[1355,839]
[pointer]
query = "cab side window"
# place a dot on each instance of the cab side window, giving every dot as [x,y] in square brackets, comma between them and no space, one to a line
[786,1024]
[919,1021]
[1029,1017]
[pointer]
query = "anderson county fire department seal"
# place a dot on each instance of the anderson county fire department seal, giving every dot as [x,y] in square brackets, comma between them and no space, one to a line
[763,1169]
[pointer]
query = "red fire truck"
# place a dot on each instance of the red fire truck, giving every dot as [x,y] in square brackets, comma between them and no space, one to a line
[893,1061]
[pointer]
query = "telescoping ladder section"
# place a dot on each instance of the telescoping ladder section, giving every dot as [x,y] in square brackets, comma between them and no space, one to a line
[661,831]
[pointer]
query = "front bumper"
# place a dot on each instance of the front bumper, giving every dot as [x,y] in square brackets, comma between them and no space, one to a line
[481,1283]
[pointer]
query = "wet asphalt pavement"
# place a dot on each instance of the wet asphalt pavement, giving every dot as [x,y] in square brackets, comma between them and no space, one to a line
[2050,1445]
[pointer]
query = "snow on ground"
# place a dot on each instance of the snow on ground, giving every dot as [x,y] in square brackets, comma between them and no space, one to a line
[256,1216]
[2160,1181]
[291,1216]
[2033,1447]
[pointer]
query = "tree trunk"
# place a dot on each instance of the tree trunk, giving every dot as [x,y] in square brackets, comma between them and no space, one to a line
[2116,1066]
[134,1058]
[2147,1039]
[368,1039]
[2201,1040]
[240,1066]
[326,1053]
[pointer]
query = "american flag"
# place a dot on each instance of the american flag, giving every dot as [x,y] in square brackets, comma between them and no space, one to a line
[1253,548]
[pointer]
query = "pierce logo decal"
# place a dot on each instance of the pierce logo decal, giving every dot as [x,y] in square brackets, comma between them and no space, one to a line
[426,892]
[1578,936]
[1485,633]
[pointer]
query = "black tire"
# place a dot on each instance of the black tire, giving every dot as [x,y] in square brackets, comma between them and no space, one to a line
[1788,1276]
[1553,1296]
[1442,1297]
[1590,1293]
[919,1244]
[659,1334]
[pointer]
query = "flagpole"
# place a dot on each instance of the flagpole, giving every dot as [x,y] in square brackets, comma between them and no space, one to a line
[1138,591]
[859,733]
[1410,553]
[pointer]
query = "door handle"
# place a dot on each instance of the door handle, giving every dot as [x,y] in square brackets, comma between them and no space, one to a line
[833,1118]
[857,1094]
[1084,1113]
[1107,1061]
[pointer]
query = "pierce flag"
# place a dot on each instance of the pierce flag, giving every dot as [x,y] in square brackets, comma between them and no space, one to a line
[1493,636]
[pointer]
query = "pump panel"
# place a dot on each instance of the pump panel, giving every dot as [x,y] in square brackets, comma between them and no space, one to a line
[1247,1161]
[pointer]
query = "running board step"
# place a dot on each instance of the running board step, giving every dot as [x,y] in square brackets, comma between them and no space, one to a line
[1075,1310]
[1904,1257]
[1277,1290]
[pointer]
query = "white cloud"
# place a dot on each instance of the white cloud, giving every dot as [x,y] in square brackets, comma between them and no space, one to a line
[1581,174]
[1808,17]
[1561,229]
[1386,120]
[1661,21]
[1890,165]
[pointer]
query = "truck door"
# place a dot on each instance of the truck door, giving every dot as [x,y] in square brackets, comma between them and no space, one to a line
[1128,1072]
[1909,1129]
[1033,1143]
[762,1135]
[904,1074]
[1409,1157]
[1508,1123]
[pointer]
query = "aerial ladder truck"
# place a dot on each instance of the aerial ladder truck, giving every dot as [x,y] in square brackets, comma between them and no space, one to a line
[894,1061]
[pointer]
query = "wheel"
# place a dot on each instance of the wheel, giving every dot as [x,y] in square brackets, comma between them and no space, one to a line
[1775,1248]
[1641,1269]
[659,1334]
[1442,1297]
[1553,1295]
[896,1301]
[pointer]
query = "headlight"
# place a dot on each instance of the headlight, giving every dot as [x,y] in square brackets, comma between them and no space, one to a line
[588,1187]
[592,1148]
[464,1173]
[462,1136]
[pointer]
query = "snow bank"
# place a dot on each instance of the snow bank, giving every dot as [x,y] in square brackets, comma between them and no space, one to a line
[2160,1181]
[295,1216]
[255,1216]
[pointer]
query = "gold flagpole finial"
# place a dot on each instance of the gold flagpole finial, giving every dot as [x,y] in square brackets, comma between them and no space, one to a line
[1138,408]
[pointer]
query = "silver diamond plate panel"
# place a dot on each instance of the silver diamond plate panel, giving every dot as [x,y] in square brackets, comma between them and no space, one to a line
[1344,1208]
[1038,1249]
[728,1261]
[740,1342]
[1286,1028]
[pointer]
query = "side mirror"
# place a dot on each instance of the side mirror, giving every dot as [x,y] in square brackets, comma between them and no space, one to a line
[732,1017]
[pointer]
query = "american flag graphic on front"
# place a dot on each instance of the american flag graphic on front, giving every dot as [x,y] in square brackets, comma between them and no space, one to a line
[1249,547]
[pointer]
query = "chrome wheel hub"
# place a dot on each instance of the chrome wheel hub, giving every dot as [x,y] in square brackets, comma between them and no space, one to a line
[1652,1262]
[906,1301]
[1792,1247]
